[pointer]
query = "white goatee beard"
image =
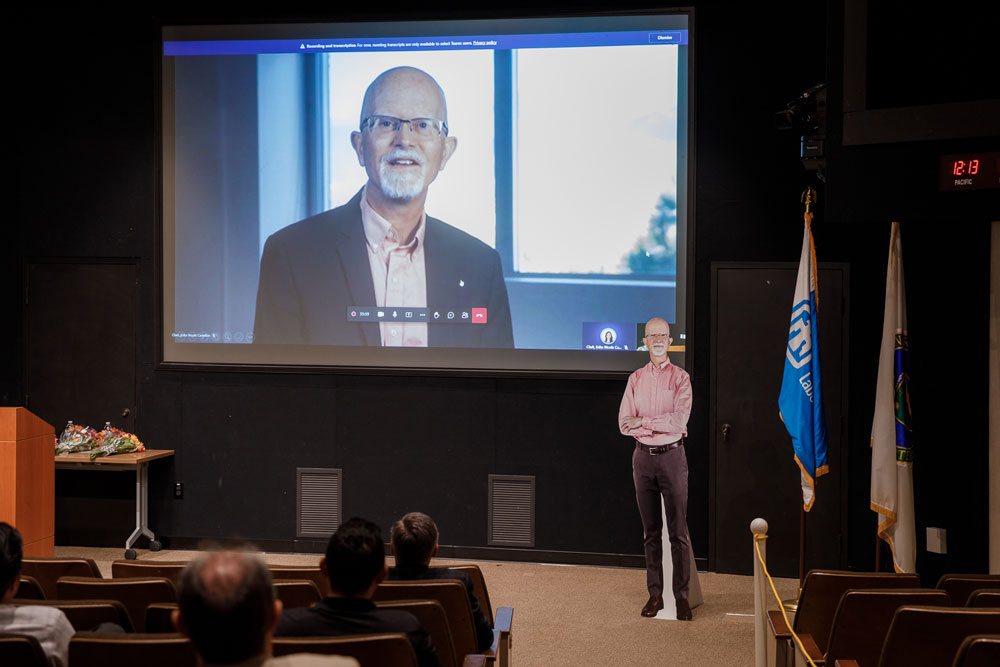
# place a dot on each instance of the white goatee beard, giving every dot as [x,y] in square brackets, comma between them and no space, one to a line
[401,184]
[659,349]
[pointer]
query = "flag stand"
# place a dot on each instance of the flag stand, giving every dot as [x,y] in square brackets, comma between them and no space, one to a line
[878,553]
[802,546]
[792,604]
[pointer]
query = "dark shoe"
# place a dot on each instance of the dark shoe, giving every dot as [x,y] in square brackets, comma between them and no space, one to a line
[684,610]
[654,605]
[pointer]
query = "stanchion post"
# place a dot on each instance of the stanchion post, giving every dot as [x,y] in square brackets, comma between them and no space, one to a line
[759,529]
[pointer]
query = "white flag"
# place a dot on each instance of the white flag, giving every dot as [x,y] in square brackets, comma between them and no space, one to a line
[892,440]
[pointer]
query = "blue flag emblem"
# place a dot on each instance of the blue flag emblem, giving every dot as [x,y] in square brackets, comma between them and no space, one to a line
[800,335]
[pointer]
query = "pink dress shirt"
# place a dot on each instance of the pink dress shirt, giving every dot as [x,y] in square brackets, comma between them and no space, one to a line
[661,395]
[398,274]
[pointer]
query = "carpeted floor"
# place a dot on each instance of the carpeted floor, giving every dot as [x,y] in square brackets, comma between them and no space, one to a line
[582,616]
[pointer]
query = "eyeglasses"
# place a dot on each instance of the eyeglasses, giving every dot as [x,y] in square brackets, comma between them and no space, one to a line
[424,128]
[658,336]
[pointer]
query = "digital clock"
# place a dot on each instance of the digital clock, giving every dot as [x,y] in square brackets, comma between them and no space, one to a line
[973,171]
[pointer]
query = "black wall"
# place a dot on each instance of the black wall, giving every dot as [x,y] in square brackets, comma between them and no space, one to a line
[85,152]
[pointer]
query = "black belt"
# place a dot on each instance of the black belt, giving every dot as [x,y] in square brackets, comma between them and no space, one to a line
[662,449]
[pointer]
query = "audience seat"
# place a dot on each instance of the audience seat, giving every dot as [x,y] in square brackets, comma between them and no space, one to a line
[478,586]
[291,593]
[979,651]
[370,650]
[933,635]
[961,586]
[171,569]
[158,617]
[87,614]
[297,593]
[432,616]
[861,622]
[452,596]
[28,588]
[48,570]
[984,597]
[136,593]
[113,649]
[821,593]
[21,650]
[310,572]
[504,615]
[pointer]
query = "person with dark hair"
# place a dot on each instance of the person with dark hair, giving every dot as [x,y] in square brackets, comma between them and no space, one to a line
[355,566]
[226,606]
[46,624]
[414,541]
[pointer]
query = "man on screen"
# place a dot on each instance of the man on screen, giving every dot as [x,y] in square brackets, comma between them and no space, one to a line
[381,249]
[654,411]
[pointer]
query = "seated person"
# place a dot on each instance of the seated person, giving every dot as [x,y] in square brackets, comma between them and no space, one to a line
[46,624]
[227,608]
[355,566]
[414,541]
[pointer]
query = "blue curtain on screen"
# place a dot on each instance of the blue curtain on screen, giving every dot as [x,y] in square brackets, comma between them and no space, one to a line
[250,146]
[293,104]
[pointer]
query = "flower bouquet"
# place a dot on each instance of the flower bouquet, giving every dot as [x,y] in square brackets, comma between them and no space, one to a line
[75,439]
[114,441]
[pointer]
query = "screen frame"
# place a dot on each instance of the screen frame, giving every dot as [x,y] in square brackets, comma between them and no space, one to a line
[685,259]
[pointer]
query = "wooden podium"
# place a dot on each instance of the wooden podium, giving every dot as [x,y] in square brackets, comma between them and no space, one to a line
[27,479]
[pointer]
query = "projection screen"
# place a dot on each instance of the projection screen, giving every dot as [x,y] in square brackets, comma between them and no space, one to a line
[551,158]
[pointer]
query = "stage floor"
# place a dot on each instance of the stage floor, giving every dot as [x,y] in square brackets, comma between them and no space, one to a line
[582,615]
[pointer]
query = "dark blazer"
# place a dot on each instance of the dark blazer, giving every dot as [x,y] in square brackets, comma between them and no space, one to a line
[484,626]
[311,272]
[333,617]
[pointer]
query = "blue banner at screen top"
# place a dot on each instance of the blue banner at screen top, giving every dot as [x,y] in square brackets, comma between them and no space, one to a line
[609,336]
[446,43]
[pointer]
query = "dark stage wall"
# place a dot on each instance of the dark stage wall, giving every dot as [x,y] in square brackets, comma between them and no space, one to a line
[85,150]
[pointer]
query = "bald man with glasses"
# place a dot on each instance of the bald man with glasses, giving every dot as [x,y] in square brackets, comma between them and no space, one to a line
[380,250]
[654,412]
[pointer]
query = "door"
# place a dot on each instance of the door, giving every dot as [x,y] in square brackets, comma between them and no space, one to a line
[754,472]
[80,340]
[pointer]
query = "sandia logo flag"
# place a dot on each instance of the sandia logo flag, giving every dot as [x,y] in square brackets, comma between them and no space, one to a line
[892,440]
[800,403]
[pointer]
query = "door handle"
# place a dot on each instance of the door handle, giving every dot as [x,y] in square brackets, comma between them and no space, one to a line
[126,412]
[726,428]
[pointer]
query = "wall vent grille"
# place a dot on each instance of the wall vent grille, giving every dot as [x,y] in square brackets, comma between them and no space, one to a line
[511,511]
[319,493]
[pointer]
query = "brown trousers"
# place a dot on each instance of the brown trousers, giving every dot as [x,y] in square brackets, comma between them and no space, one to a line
[663,475]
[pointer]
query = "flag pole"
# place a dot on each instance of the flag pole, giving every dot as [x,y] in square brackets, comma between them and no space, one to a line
[802,545]
[808,197]
[792,604]
[878,553]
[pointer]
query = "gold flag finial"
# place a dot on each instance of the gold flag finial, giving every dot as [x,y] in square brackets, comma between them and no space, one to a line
[808,197]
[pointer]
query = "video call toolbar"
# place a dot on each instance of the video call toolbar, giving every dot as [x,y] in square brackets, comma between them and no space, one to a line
[411,314]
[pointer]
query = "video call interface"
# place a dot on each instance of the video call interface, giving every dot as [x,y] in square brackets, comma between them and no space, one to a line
[553,154]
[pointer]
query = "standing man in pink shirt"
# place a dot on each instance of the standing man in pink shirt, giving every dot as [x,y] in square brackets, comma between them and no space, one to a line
[655,411]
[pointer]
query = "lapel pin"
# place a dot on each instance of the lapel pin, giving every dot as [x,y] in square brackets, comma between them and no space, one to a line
[461,283]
